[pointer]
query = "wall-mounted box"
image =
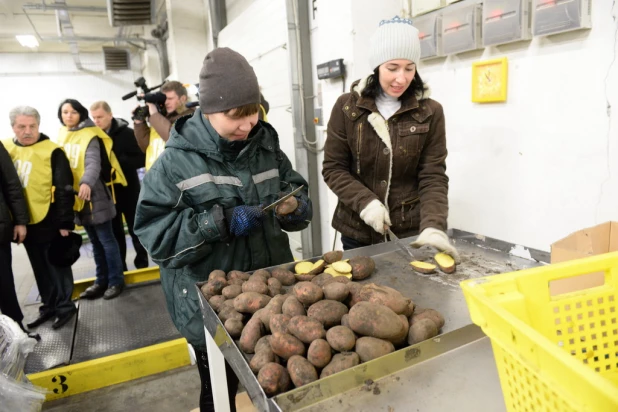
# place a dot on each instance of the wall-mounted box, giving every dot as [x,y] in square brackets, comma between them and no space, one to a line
[429,32]
[558,16]
[461,29]
[331,69]
[425,6]
[505,21]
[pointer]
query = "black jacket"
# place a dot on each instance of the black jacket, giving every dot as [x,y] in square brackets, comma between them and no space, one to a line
[13,208]
[127,151]
[60,214]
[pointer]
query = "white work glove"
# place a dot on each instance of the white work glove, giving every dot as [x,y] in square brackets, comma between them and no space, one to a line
[437,239]
[376,216]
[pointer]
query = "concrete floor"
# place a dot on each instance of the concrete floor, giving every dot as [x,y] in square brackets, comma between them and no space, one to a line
[176,390]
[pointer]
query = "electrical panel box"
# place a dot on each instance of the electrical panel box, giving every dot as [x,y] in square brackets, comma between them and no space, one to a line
[557,16]
[331,69]
[461,29]
[430,34]
[505,21]
[425,6]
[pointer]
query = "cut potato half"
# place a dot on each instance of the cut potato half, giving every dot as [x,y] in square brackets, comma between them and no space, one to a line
[303,268]
[342,267]
[445,262]
[318,267]
[423,267]
[334,273]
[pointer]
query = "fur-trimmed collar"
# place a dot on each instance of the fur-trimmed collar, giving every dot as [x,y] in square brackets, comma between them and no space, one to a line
[363,83]
[380,126]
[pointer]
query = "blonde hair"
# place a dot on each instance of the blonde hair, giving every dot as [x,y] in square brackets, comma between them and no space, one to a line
[101,105]
[174,86]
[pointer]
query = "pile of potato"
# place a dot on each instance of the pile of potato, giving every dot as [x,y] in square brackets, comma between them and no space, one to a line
[324,324]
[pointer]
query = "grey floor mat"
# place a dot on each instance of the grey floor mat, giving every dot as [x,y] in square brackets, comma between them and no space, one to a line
[54,348]
[136,319]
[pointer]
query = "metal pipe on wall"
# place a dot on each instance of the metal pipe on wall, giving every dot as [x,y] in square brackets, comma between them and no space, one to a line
[64,23]
[301,78]
[164,64]
[98,39]
[218,18]
[65,26]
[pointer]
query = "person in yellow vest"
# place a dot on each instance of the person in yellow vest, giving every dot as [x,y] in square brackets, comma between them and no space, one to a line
[95,169]
[151,138]
[42,167]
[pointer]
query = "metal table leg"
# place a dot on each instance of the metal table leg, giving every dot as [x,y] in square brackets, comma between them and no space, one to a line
[218,381]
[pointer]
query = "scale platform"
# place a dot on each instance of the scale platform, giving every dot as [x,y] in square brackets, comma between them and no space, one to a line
[136,319]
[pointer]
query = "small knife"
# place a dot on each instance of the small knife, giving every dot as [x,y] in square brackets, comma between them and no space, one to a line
[283,199]
[401,246]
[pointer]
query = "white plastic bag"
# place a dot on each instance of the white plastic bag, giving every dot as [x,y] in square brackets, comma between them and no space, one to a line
[16,391]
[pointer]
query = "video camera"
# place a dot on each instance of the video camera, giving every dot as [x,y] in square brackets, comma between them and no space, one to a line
[144,94]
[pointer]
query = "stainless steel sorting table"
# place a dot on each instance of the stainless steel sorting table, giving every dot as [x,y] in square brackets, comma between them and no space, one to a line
[454,371]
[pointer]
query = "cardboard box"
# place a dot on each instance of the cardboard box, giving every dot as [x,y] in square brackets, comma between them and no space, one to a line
[587,242]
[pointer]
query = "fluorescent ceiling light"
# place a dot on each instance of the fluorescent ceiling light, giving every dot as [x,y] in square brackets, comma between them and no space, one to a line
[27,40]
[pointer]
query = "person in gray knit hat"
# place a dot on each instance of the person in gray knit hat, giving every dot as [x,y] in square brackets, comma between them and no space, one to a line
[201,205]
[385,152]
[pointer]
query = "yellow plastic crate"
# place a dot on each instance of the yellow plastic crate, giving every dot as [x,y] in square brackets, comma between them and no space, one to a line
[553,353]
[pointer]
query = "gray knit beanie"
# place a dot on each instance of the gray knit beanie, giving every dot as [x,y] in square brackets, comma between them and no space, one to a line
[394,39]
[227,81]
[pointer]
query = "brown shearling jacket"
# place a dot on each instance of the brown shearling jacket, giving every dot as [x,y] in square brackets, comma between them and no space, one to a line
[401,162]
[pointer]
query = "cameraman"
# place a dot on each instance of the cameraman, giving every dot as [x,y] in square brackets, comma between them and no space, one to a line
[151,139]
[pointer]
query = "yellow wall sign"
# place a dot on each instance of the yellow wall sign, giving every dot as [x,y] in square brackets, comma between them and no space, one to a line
[490,80]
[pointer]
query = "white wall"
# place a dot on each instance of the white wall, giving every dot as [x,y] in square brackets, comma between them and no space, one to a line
[235,8]
[189,38]
[543,164]
[43,80]
[332,38]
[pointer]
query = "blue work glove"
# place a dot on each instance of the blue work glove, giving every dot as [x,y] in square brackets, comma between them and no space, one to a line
[297,216]
[243,219]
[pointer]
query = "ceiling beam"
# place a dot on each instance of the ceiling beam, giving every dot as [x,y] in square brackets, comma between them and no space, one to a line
[52,7]
[98,39]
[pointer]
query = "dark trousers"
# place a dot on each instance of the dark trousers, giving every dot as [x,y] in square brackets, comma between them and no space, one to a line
[126,203]
[55,283]
[349,243]
[9,304]
[206,399]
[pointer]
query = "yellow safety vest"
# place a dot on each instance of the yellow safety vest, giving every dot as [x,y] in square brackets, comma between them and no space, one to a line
[155,148]
[75,144]
[33,165]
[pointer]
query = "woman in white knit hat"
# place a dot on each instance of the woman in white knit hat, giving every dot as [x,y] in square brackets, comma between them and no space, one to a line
[385,154]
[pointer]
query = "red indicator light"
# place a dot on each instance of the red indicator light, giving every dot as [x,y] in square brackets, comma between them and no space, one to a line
[495,14]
